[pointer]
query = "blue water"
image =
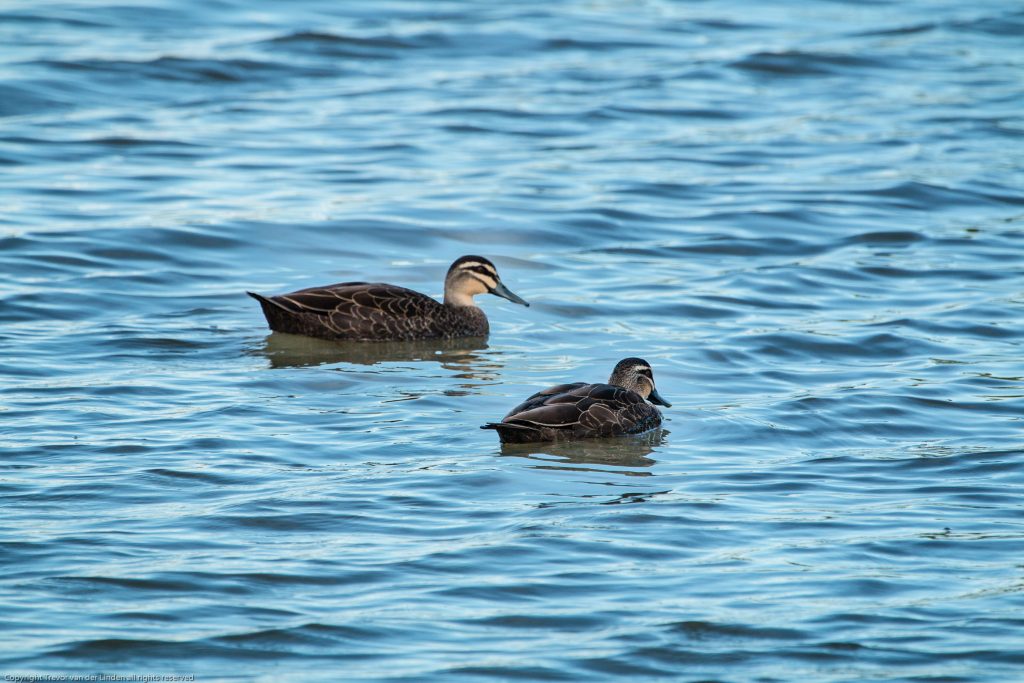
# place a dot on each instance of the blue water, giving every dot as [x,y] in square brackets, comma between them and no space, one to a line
[808,217]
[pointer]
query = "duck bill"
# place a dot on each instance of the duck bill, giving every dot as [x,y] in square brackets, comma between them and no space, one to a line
[656,399]
[506,293]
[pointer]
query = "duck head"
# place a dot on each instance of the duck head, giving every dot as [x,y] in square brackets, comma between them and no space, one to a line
[472,275]
[636,375]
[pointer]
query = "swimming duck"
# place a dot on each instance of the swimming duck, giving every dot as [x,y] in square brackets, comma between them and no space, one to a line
[365,311]
[580,410]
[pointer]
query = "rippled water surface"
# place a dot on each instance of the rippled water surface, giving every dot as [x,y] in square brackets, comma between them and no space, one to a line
[808,217]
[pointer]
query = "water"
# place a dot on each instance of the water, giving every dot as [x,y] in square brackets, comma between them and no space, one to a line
[807,217]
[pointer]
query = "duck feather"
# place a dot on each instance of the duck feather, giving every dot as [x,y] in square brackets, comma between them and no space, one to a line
[577,410]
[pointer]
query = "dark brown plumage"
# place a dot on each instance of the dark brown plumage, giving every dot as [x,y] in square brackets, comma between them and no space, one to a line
[580,410]
[364,311]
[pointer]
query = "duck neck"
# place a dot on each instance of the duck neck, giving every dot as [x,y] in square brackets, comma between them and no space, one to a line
[624,382]
[459,300]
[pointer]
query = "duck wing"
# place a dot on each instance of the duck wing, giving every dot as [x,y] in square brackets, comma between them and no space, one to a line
[577,411]
[554,394]
[586,410]
[357,299]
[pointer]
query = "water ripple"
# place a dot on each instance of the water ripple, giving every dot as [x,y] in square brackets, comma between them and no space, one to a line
[809,223]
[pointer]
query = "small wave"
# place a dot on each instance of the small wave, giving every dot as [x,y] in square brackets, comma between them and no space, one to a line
[177,651]
[908,30]
[311,635]
[936,273]
[306,522]
[54,15]
[1010,24]
[317,37]
[559,44]
[18,100]
[720,24]
[676,113]
[203,477]
[890,238]
[799,63]
[194,70]
[875,346]
[926,196]
[554,622]
[346,46]
[705,630]
[124,142]
[727,245]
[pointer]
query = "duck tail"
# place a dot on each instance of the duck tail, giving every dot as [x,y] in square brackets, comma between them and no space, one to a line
[268,303]
[259,297]
[503,425]
[509,432]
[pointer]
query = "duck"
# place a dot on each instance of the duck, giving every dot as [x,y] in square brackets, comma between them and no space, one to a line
[375,311]
[580,410]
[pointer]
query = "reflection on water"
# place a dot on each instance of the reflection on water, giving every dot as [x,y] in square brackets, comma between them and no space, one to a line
[293,351]
[463,357]
[626,451]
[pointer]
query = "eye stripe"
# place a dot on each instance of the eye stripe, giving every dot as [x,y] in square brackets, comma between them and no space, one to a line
[482,281]
[477,267]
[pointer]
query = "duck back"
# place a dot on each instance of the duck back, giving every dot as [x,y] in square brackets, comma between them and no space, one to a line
[363,311]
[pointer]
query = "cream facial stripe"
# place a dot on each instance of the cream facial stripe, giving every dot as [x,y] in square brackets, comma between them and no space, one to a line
[481,272]
[489,285]
[477,267]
